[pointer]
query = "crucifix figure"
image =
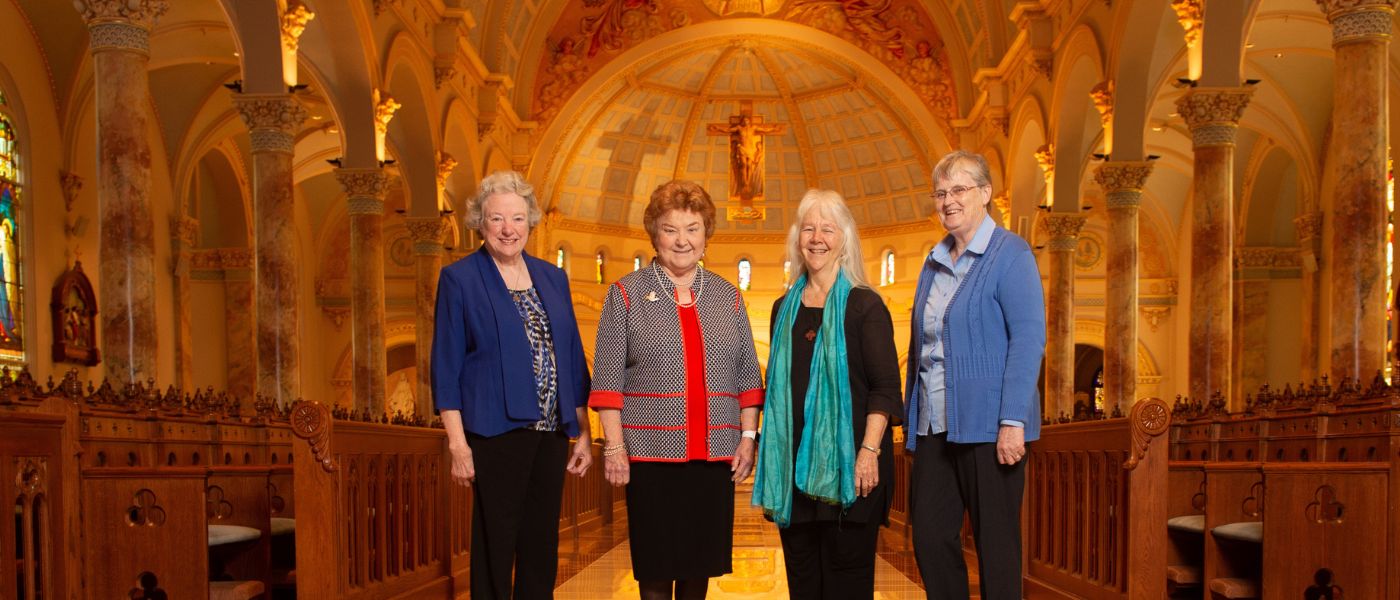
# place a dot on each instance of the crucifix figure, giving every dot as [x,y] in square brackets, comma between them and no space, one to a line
[746,131]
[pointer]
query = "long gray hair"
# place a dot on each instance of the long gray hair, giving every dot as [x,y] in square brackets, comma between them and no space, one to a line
[832,206]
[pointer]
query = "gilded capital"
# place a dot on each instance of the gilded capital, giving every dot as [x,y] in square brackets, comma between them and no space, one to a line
[1359,20]
[363,184]
[281,112]
[1122,176]
[294,22]
[426,233]
[1190,13]
[384,108]
[1045,156]
[142,13]
[1062,228]
[1213,114]
[1003,203]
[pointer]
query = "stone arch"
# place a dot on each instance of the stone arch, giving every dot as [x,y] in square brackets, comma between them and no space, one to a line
[1023,179]
[415,139]
[1077,127]
[347,78]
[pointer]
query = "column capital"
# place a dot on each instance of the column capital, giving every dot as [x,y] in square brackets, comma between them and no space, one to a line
[1102,95]
[1190,14]
[272,120]
[445,165]
[1063,230]
[427,234]
[1122,182]
[1213,114]
[1358,20]
[1308,226]
[294,22]
[120,24]
[365,189]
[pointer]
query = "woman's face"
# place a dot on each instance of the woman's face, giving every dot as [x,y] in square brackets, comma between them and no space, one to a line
[964,202]
[821,241]
[680,240]
[505,224]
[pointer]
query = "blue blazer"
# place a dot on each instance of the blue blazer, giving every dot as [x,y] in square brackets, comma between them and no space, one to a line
[482,363]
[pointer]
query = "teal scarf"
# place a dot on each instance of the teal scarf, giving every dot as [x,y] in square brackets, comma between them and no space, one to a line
[825,465]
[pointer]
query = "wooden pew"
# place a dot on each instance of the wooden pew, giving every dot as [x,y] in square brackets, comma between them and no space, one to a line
[386,505]
[144,532]
[36,557]
[1186,506]
[1096,509]
[1329,516]
[1234,523]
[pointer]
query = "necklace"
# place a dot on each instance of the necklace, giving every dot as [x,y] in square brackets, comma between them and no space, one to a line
[517,276]
[699,286]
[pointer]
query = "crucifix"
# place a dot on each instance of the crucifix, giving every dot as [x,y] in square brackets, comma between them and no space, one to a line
[746,131]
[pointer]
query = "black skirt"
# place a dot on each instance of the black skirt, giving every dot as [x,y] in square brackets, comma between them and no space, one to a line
[680,520]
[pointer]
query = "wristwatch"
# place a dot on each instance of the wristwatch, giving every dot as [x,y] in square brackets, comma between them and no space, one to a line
[751,434]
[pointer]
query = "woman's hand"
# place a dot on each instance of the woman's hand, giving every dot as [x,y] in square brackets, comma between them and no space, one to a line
[867,472]
[617,469]
[582,456]
[1011,444]
[742,465]
[463,469]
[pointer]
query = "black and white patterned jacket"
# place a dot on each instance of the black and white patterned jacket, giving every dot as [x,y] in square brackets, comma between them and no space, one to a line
[639,364]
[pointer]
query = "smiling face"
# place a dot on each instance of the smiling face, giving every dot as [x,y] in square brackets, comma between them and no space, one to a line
[821,241]
[680,240]
[961,213]
[505,224]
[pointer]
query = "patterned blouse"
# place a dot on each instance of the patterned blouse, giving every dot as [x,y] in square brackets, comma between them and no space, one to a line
[642,365]
[542,347]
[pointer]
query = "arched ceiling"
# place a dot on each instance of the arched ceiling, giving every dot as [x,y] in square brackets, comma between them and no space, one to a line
[651,127]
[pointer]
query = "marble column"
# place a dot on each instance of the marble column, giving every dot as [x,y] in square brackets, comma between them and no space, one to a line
[427,247]
[1213,115]
[240,325]
[120,33]
[272,121]
[1360,43]
[365,190]
[1122,186]
[1308,226]
[1063,239]
[184,231]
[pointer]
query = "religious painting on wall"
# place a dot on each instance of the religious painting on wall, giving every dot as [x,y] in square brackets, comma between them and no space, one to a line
[74,309]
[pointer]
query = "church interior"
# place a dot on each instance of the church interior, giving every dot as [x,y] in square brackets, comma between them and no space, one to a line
[222,223]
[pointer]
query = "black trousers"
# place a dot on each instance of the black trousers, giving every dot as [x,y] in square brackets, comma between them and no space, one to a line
[949,479]
[515,514]
[830,561]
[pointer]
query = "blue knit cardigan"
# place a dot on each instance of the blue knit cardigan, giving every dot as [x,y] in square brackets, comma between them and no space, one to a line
[993,341]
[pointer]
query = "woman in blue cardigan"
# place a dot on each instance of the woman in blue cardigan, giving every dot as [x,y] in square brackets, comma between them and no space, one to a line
[976,341]
[511,384]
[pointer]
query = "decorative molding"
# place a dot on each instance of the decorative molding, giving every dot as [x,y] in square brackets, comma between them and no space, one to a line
[144,510]
[1154,315]
[384,108]
[443,74]
[1216,134]
[311,421]
[294,22]
[1102,95]
[1003,203]
[1045,157]
[1308,227]
[445,164]
[1123,176]
[119,35]
[1325,509]
[1149,419]
[185,229]
[1063,226]
[426,233]
[1372,22]
[337,315]
[270,114]
[1190,14]
[31,477]
[1265,257]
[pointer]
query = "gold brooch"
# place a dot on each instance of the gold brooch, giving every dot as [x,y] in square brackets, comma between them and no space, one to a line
[651,297]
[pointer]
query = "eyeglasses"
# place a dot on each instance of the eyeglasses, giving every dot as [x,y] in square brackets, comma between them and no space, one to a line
[956,192]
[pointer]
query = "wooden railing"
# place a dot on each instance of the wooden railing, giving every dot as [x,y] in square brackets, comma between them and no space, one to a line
[1095,515]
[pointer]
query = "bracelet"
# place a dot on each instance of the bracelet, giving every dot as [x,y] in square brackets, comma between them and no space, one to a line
[751,434]
[863,446]
[614,449]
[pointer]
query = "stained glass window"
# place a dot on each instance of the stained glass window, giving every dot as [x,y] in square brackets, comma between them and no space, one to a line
[745,274]
[887,268]
[637,263]
[559,259]
[11,266]
[598,268]
[787,274]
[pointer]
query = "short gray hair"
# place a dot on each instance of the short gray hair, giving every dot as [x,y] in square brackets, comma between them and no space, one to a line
[971,163]
[831,205]
[502,182]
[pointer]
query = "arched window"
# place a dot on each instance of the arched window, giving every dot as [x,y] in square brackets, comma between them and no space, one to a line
[561,259]
[745,274]
[11,271]
[637,262]
[598,267]
[787,274]
[887,268]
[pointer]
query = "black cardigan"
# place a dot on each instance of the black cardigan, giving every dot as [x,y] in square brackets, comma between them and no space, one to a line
[875,387]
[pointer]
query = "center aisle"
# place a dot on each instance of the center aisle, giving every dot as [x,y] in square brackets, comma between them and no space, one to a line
[758,574]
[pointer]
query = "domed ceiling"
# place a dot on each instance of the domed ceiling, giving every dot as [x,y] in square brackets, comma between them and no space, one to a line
[843,132]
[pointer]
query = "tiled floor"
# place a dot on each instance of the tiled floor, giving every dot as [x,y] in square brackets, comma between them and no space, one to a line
[593,572]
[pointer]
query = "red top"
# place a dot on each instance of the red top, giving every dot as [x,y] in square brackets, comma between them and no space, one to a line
[697,402]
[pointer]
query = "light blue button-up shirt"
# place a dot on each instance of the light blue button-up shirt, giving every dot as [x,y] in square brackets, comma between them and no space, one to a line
[947,276]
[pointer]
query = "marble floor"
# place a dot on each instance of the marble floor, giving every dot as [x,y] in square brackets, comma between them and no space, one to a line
[597,565]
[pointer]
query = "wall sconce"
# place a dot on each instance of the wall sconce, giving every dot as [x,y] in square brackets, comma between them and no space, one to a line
[334,161]
[235,85]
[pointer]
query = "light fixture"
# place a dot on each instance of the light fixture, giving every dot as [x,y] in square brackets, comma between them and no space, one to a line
[1278,55]
[1157,128]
